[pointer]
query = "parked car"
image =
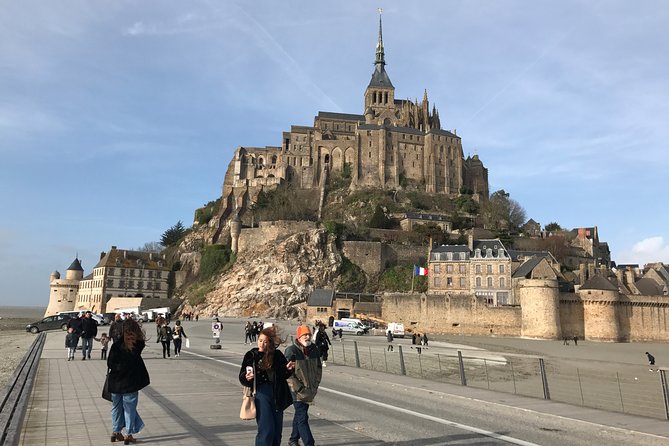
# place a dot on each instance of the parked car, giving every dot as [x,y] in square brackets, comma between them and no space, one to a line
[351,326]
[49,323]
[100,319]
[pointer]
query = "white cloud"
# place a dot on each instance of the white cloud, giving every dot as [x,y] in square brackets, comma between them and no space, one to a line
[648,250]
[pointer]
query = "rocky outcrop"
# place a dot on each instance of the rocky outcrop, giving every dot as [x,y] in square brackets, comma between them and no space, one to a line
[275,280]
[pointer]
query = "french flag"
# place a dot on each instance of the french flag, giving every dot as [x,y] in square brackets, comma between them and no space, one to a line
[418,271]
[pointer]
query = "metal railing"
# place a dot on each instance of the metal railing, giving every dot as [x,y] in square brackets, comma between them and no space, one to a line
[14,397]
[645,393]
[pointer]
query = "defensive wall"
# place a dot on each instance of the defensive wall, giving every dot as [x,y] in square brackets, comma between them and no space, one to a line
[250,238]
[374,257]
[544,313]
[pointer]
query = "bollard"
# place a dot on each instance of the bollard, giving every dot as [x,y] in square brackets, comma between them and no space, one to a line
[544,379]
[665,391]
[463,378]
[357,356]
[403,370]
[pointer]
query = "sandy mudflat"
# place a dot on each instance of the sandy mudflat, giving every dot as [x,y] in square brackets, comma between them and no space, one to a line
[14,340]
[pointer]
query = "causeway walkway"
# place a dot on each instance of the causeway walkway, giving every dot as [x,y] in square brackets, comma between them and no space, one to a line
[193,400]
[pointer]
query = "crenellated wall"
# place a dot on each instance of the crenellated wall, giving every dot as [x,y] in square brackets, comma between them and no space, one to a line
[267,231]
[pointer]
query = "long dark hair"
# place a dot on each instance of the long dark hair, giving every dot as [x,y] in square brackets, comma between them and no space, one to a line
[132,333]
[275,340]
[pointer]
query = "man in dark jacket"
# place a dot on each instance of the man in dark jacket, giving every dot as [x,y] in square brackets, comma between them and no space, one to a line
[75,325]
[303,383]
[89,330]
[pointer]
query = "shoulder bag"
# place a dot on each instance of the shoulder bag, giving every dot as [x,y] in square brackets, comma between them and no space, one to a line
[248,410]
[105,389]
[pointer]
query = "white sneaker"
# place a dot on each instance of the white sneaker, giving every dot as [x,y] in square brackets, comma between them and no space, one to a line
[324,364]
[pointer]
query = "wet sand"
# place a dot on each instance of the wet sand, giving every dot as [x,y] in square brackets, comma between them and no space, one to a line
[14,340]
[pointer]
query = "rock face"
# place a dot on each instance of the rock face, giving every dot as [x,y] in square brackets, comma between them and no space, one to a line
[276,279]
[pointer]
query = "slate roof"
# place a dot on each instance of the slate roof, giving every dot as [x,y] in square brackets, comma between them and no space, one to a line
[131,259]
[451,248]
[516,253]
[321,297]
[424,216]
[342,116]
[526,268]
[380,78]
[648,287]
[75,266]
[598,283]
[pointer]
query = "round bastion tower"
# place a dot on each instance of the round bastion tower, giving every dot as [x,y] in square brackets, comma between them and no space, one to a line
[540,308]
[63,292]
[600,310]
[235,230]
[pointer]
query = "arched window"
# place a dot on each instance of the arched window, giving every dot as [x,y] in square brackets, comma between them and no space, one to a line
[489,282]
[478,282]
[501,268]
[273,159]
[327,159]
[502,282]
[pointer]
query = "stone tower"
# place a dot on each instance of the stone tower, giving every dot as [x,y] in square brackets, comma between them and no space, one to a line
[540,308]
[63,292]
[601,301]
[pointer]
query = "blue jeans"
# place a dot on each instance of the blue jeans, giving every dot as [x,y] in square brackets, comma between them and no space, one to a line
[301,427]
[86,346]
[269,420]
[124,413]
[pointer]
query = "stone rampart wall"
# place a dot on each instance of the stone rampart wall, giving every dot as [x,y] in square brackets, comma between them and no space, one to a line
[455,314]
[374,257]
[267,231]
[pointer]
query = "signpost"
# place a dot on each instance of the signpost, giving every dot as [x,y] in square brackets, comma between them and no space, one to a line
[216,328]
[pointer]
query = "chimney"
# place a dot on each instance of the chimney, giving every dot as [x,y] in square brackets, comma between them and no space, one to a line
[470,240]
[125,254]
[150,256]
[102,254]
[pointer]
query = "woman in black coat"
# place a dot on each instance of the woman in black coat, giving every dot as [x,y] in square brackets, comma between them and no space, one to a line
[270,369]
[127,376]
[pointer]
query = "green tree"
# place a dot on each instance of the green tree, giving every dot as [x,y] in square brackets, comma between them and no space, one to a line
[553,227]
[172,236]
[502,213]
[214,259]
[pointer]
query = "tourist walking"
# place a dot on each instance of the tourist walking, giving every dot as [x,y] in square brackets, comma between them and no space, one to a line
[127,376]
[651,360]
[323,342]
[115,327]
[75,325]
[177,334]
[575,338]
[248,335]
[303,383]
[389,338]
[89,330]
[165,336]
[70,343]
[270,370]
[425,340]
[104,341]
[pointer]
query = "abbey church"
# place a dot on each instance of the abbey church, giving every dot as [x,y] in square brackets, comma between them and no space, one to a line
[393,143]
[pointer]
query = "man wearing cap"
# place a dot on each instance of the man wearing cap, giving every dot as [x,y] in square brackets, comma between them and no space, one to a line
[303,383]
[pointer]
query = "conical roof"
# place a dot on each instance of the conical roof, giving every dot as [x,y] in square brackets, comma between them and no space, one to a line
[76,266]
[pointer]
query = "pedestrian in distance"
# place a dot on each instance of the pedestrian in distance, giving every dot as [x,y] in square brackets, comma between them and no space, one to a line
[115,327]
[323,343]
[104,343]
[89,330]
[270,370]
[390,337]
[70,343]
[177,336]
[565,341]
[303,383]
[165,336]
[419,343]
[651,361]
[248,335]
[425,340]
[127,376]
[575,339]
[75,325]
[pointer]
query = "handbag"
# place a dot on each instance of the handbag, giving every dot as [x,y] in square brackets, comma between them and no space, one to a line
[106,394]
[248,409]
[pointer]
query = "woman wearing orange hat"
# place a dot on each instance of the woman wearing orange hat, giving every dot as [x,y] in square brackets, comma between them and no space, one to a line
[270,370]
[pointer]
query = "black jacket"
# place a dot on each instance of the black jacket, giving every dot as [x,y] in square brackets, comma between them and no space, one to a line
[75,325]
[89,328]
[281,391]
[127,372]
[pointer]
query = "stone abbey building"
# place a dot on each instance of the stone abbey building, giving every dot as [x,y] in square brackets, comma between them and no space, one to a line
[393,143]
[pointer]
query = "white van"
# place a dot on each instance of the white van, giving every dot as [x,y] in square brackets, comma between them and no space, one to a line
[352,326]
[397,329]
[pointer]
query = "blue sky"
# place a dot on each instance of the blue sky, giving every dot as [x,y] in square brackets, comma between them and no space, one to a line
[119,118]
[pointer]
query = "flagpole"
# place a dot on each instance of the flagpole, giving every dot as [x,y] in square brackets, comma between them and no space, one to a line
[413,274]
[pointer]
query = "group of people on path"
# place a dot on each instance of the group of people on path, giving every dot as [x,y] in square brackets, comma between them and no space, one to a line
[166,335]
[84,327]
[281,379]
[252,331]
[418,340]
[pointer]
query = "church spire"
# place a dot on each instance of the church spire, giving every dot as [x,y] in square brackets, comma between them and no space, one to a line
[380,56]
